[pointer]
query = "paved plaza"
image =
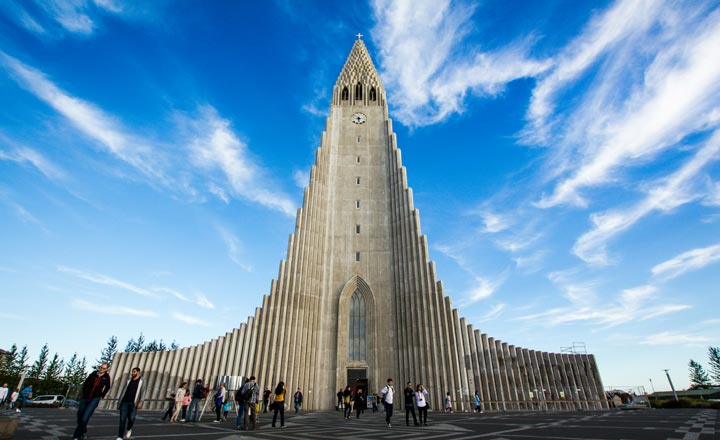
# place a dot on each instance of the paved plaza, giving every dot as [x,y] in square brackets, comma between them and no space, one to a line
[686,424]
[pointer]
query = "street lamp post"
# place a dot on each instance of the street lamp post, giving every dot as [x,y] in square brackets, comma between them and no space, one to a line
[671,384]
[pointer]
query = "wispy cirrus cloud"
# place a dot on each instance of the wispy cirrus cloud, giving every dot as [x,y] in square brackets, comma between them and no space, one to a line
[110,309]
[25,155]
[107,281]
[693,259]
[214,146]
[427,73]
[191,320]
[679,188]
[199,299]
[232,242]
[211,145]
[674,338]
[632,111]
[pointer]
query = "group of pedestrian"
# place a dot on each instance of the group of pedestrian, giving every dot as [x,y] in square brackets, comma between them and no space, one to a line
[96,386]
[10,399]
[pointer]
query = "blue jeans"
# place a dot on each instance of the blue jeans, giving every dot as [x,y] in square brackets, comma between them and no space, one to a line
[194,405]
[127,417]
[86,408]
[297,407]
[239,419]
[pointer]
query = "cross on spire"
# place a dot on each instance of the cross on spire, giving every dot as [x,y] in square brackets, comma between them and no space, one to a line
[359,36]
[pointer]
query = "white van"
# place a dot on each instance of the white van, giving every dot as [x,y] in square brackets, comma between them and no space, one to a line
[48,400]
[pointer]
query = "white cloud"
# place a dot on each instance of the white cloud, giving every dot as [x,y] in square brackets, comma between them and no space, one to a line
[22,154]
[215,146]
[107,281]
[95,123]
[200,298]
[675,190]
[190,319]
[694,259]
[212,145]
[233,247]
[493,223]
[110,309]
[301,178]
[677,97]
[425,71]
[494,313]
[670,338]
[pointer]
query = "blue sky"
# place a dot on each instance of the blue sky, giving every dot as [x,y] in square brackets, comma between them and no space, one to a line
[563,155]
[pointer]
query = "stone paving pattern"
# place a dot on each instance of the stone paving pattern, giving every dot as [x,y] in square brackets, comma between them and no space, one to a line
[679,424]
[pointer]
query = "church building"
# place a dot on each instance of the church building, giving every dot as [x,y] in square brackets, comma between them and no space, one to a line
[357,299]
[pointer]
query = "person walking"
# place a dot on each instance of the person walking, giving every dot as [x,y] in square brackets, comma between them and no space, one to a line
[171,408]
[478,403]
[251,394]
[95,387]
[219,401]
[266,398]
[409,394]
[339,400]
[375,398]
[180,394]
[388,395]
[360,402]
[297,400]
[240,400]
[347,399]
[129,402]
[198,395]
[448,403]
[4,391]
[25,394]
[185,404]
[278,405]
[421,399]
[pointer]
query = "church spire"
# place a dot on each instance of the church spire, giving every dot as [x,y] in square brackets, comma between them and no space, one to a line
[359,83]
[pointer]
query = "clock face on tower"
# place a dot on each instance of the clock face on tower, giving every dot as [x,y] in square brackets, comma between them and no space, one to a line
[359,118]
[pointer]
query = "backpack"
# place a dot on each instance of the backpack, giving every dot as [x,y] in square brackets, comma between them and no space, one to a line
[206,391]
[249,393]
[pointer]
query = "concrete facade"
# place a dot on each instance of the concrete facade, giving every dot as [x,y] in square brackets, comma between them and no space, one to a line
[358,249]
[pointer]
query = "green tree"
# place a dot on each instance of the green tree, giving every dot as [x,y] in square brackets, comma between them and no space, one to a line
[21,361]
[106,356]
[698,377]
[7,366]
[174,345]
[75,374]
[38,368]
[714,361]
[54,369]
[134,346]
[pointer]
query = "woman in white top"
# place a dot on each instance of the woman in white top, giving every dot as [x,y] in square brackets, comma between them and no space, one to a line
[421,401]
[179,397]
[448,403]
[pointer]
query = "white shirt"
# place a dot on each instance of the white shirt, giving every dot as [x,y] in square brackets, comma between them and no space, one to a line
[3,393]
[420,397]
[389,393]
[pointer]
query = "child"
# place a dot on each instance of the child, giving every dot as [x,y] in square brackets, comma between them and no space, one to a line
[226,409]
[448,403]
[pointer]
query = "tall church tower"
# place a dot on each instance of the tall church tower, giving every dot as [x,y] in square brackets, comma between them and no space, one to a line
[357,300]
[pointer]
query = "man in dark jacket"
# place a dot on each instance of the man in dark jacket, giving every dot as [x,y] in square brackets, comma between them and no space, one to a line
[95,387]
[129,402]
[198,395]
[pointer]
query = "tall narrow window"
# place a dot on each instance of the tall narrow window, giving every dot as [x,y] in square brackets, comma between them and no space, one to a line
[345,94]
[357,180]
[357,229]
[357,342]
[358,91]
[358,139]
[372,94]
[357,203]
[358,159]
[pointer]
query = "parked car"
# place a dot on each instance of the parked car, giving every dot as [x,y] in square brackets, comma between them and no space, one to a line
[54,400]
[71,403]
